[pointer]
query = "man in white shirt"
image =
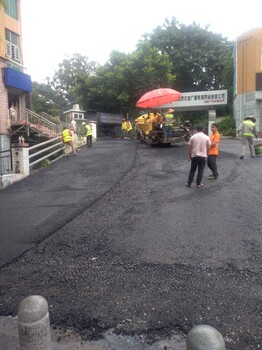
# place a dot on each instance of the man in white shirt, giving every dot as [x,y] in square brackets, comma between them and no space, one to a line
[198,147]
[73,123]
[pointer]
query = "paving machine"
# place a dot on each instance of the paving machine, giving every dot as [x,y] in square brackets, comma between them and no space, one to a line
[151,129]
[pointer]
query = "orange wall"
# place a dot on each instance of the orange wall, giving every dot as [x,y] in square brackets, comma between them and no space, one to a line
[11,24]
[248,60]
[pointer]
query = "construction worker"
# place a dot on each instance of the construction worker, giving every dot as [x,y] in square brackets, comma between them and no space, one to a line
[157,117]
[67,138]
[248,130]
[168,122]
[124,128]
[88,134]
[137,130]
[129,128]
[73,124]
[75,139]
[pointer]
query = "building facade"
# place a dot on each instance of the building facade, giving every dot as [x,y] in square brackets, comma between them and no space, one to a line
[15,84]
[74,114]
[248,77]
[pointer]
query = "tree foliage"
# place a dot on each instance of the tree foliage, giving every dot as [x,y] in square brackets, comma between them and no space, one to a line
[227,80]
[57,95]
[65,78]
[198,55]
[227,126]
[124,78]
[186,58]
[45,99]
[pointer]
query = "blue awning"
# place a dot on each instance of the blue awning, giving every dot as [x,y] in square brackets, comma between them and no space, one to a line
[16,79]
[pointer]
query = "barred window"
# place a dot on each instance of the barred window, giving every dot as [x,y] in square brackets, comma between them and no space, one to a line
[258,81]
[12,45]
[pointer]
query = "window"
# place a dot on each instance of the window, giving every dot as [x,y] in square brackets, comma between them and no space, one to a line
[11,8]
[258,81]
[261,58]
[12,45]
[78,116]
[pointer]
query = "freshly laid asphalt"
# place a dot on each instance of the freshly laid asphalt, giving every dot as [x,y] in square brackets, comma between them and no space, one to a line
[41,205]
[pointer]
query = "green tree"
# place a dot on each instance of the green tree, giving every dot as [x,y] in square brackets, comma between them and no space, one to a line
[227,126]
[227,80]
[153,69]
[187,58]
[57,95]
[198,55]
[124,78]
[65,78]
[45,99]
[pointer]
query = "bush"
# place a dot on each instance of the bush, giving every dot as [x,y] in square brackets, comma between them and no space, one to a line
[227,126]
[43,164]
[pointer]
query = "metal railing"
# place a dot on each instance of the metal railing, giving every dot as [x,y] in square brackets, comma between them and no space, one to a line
[6,162]
[45,150]
[42,124]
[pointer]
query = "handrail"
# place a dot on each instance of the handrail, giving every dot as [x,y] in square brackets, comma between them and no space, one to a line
[45,143]
[50,118]
[39,117]
[42,124]
[42,151]
[58,144]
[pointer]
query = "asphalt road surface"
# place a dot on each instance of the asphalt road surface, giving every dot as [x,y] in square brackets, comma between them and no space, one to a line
[116,243]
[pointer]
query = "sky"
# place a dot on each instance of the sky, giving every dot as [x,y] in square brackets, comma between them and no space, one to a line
[56,29]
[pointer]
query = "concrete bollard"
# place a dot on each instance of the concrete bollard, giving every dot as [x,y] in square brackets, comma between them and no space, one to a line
[205,337]
[34,324]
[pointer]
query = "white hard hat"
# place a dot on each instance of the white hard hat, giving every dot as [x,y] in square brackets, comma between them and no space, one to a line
[83,123]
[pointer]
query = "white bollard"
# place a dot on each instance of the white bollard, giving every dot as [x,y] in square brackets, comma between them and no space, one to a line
[205,337]
[34,324]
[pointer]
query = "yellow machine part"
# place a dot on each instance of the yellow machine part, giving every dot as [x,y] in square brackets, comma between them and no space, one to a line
[145,123]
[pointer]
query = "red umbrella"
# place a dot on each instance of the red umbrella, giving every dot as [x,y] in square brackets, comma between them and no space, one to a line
[158,97]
